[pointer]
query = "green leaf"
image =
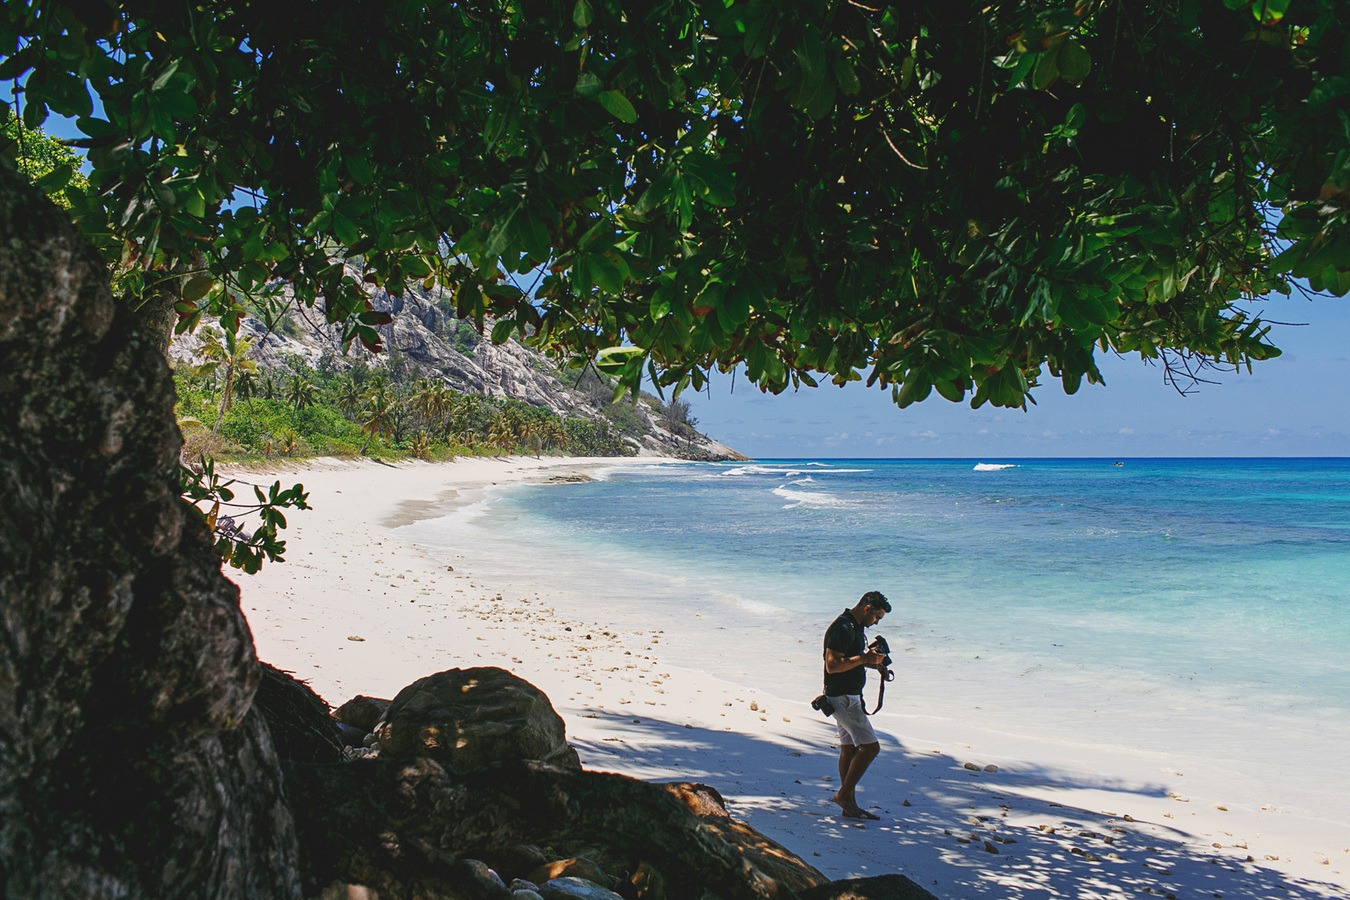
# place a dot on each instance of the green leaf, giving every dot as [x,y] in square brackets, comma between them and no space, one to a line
[67,94]
[56,179]
[660,305]
[1074,62]
[846,76]
[907,69]
[96,128]
[734,309]
[165,77]
[34,113]
[345,229]
[914,390]
[951,390]
[15,64]
[174,103]
[607,273]
[1075,118]
[614,359]
[890,24]
[535,236]
[656,193]
[618,106]
[1021,68]
[1270,12]
[582,14]
[718,181]
[197,287]
[588,85]
[1046,72]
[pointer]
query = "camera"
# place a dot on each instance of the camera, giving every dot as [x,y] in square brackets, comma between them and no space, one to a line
[879,645]
[823,704]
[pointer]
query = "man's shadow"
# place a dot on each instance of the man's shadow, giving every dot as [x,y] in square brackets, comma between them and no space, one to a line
[957,831]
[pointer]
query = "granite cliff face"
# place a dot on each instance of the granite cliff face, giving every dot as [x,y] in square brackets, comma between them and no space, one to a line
[425,335]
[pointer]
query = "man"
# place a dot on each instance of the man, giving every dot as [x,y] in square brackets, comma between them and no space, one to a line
[846,661]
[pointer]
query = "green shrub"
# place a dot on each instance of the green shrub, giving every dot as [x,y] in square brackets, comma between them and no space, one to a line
[244,427]
[625,417]
[589,437]
[321,420]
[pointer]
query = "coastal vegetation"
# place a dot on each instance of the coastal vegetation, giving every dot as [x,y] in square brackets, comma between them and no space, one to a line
[231,410]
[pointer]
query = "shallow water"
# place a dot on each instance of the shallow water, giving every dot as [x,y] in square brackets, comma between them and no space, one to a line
[1194,606]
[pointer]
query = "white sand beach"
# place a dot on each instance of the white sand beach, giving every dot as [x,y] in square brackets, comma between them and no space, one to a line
[966,810]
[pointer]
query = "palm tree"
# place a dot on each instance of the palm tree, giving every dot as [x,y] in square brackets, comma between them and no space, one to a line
[378,412]
[228,351]
[432,401]
[349,397]
[500,435]
[420,445]
[532,435]
[246,384]
[268,388]
[288,441]
[555,435]
[299,392]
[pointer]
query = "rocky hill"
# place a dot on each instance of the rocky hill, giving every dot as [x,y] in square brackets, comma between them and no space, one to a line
[425,338]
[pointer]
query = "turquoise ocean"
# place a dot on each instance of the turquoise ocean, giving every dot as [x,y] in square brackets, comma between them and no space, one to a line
[1163,606]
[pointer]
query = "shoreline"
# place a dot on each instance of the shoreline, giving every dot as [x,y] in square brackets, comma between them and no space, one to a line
[358,609]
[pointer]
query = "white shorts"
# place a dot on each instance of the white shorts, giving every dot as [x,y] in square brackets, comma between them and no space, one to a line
[855,726]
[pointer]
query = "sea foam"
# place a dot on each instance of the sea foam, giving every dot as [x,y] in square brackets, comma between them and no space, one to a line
[818,499]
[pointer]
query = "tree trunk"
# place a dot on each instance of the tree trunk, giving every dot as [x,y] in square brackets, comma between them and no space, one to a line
[132,763]
[158,307]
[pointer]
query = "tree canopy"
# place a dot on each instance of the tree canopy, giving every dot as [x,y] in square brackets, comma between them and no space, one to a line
[930,195]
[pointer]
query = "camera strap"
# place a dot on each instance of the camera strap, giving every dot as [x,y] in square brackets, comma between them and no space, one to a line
[886,675]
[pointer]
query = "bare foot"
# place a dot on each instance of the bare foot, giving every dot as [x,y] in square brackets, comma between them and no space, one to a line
[859,813]
[852,810]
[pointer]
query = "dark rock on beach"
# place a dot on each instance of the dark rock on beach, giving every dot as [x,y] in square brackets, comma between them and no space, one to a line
[879,887]
[765,855]
[361,712]
[576,867]
[572,888]
[401,826]
[297,717]
[473,719]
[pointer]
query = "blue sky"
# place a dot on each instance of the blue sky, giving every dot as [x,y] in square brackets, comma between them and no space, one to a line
[1294,405]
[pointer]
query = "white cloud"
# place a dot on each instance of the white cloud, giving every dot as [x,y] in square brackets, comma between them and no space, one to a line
[1126,430]
[929,434]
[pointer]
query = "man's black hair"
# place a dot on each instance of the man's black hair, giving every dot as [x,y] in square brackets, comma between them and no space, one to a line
[876,600]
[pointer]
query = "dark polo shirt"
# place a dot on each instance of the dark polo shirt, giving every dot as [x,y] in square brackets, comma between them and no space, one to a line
[845,636]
